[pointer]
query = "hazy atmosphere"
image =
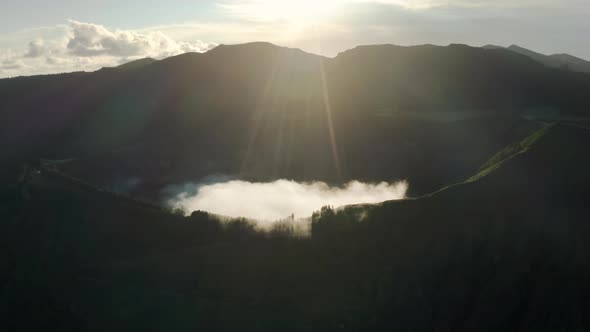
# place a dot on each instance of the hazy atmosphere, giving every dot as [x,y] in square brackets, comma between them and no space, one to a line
[66,36]
[295,165]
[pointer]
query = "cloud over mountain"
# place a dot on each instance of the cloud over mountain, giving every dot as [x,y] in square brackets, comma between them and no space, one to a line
[90,40]
[88,46]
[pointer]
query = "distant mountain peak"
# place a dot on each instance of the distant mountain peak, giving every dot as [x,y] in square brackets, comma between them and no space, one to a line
[259,45]
[246,45]
[492,47]
[521,49]
[514,46]
[379,48]
[562,60]
[260,49]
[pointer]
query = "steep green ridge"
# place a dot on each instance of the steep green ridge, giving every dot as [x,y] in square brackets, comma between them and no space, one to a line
[510,151]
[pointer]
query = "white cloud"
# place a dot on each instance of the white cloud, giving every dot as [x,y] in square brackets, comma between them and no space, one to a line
[85,46]
[276,200]
[36,49]
[11,64]
[90,40]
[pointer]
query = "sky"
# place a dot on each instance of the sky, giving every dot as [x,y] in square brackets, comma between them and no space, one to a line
[41,37]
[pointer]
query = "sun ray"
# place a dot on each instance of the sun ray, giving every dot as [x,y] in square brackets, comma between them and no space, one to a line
[278,154]
[259,114]
[328,109]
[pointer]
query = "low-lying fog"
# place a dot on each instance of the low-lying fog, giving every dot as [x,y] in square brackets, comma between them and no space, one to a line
[280,199]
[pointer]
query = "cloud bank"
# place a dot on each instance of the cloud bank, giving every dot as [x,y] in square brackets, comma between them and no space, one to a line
[273,201]
[89,40]
[80,46]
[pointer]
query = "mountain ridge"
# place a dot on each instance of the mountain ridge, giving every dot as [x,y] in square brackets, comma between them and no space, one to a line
[553,60]
[560,60]
[221,112]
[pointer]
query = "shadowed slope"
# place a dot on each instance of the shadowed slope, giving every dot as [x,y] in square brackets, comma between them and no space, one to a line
[499,252]
[506,251]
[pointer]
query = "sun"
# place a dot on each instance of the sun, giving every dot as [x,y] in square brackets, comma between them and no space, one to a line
[293,11]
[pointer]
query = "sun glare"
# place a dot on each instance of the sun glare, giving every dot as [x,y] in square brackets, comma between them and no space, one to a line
[294,11]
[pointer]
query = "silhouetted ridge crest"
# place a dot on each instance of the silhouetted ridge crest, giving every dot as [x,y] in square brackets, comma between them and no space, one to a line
[260,48]
[559,61]
[259,111]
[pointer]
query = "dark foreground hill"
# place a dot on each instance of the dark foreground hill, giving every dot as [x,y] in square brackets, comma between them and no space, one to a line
[506,250]
[258,111]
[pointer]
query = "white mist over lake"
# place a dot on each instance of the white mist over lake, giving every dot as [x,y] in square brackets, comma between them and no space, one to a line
[272,201]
